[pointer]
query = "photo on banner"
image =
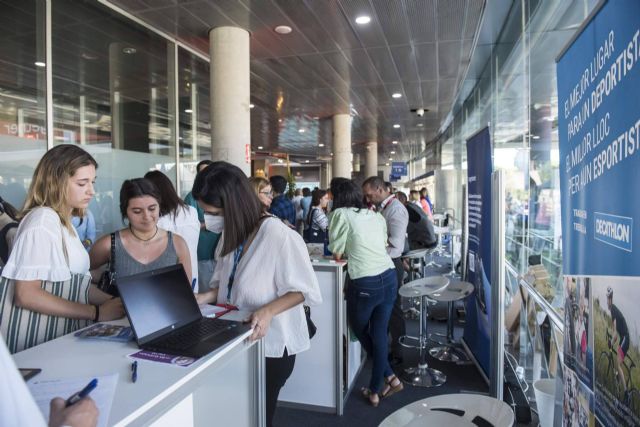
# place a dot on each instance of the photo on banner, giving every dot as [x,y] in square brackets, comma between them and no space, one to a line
[577,408]
[578,337]
[616,319]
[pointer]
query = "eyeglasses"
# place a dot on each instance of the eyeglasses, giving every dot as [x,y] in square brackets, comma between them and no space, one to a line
[267,193]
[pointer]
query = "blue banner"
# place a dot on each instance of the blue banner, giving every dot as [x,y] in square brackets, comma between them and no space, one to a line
[599,144]
[399,168]
[477,331]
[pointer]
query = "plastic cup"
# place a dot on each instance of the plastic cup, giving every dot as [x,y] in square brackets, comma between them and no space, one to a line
[545,390]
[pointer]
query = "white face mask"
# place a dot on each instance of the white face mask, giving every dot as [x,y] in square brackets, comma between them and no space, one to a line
[214,223]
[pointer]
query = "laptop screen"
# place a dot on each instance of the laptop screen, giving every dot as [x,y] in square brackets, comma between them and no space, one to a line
[158,301]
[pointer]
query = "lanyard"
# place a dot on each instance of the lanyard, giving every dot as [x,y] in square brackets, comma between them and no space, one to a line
[389,200]
[236,259]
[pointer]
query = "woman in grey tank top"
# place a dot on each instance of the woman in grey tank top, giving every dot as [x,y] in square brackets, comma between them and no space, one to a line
[142,246]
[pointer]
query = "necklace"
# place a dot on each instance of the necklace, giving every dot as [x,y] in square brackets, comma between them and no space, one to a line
[143,240]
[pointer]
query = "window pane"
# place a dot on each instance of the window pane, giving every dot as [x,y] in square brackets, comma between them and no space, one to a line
[22,96]
[113,86]
[195,124]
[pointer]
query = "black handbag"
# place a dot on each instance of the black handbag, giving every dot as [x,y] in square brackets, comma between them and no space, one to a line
[310,325]
[312,235]
[107,281]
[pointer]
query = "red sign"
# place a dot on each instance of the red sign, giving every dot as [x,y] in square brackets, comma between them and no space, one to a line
[247,153]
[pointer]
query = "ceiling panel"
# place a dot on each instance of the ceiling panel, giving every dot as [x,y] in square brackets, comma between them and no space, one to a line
[370,35]
[422,20]
[451,15]
[427,61]
[392,18]
[448,59]
[383,62]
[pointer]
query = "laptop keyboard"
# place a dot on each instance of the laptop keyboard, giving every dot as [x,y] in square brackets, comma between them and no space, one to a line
[194,333]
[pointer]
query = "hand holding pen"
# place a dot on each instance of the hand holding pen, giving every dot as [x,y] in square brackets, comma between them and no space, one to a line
[78,410]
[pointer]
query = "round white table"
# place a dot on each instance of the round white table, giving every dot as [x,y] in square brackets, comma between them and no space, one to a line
[452,410]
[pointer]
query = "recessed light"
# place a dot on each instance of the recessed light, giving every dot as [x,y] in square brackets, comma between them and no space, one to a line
[363,20]
[40,64]
[280,161]
[88,56]
[386,164]
[396,126]
[259,147]
[394,142]
[396,95]
[393,152]
[283,29]
[320,145]
[316,118]
[391,159]
[535,137]
[306,161]
[331,154]
[251,105]
[420,125]
[302,130]
[129,50]
[188,111]
[279,120]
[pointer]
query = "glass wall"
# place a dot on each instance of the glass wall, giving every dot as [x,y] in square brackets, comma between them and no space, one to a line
[113,91]
[193,112]
[23,132]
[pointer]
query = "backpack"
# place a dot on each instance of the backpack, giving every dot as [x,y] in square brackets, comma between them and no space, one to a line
[8,231]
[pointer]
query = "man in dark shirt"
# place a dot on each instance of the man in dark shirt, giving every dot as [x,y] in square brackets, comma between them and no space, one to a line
[620,325]
[420,232]
[281,206]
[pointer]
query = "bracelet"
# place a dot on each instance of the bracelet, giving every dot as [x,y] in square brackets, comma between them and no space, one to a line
[97,316]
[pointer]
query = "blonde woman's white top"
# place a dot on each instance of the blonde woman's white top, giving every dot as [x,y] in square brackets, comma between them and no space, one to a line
[38,252]
[277,262]
[186,225]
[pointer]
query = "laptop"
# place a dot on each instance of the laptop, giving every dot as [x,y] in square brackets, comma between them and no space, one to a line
[165,316]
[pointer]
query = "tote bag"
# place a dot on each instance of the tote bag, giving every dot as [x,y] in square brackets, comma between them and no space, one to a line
[23,329]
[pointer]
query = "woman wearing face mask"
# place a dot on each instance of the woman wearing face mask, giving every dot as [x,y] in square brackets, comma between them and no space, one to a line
[142,246]
[263,267]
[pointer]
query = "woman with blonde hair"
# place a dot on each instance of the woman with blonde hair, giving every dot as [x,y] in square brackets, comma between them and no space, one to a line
[263,190]
[48,251]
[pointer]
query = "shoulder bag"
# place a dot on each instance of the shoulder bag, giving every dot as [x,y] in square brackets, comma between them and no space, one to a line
[107,281]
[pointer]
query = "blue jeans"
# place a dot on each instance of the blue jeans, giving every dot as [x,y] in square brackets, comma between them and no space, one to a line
[369,303]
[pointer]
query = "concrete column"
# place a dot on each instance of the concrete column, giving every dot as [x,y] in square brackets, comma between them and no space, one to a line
[342,146]
[230,114]
[325,175]
[371,159]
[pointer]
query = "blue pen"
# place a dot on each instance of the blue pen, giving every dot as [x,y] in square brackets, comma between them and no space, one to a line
[82,393]
[134,371]
[193,284]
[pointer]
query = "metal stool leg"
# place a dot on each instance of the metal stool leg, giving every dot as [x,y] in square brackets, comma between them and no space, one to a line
[423,375]
[449,352]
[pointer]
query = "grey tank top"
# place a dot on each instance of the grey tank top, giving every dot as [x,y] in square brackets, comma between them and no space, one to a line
[126,265]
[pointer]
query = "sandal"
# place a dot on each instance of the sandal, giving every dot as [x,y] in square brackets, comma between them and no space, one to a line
[389,388]
[372,398]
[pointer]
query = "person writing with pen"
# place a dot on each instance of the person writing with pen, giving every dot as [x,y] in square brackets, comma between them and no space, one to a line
[18,408]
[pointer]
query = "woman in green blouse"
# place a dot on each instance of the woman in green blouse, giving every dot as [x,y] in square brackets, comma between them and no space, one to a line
[361,234]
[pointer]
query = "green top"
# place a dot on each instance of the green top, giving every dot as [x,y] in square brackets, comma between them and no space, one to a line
[361,234]
[207,241]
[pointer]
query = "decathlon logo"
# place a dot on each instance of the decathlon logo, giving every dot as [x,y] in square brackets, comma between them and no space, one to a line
[614,230]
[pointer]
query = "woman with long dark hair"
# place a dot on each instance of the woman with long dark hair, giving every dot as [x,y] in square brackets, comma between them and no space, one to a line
[142,246]
[263,267]
[361,234]
[178,217]
[317,223]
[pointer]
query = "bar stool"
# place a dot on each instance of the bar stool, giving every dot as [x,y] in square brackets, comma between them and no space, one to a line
[457,410]
[453,233]
[422,375]
[413,256]
[451,351]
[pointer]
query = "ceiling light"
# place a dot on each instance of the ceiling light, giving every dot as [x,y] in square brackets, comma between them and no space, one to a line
[396,95]
[259,147]
[394,142]
[316,118]
[188,111]
[306,161]
[129,50]
[279,120]
[283,29]
[391,159]
[393,152]
[320,145]
[535,137]
[420,125]
[363,20]
[88,56]
[280,161]
[301,130]
[386,164]
[396,126]
[40,64]
[251,105]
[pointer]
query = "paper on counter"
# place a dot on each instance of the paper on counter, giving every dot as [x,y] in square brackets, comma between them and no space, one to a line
[209,310]
[45,390]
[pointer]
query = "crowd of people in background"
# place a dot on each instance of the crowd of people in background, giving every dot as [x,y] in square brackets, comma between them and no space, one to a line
[240,240]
